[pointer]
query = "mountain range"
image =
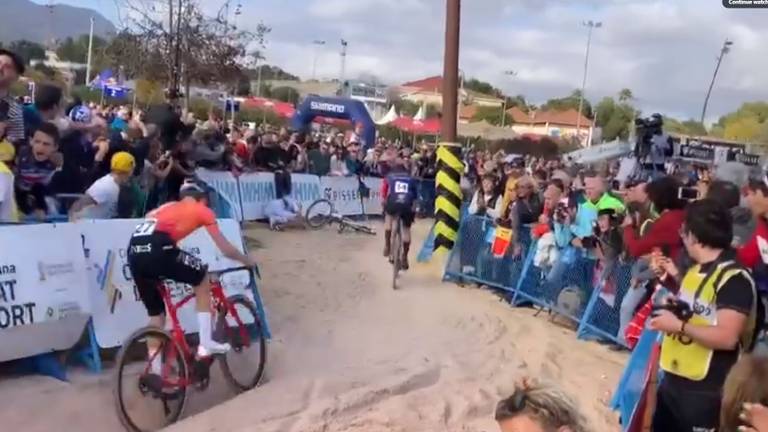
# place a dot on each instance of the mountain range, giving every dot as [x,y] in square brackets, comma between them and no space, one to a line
[24,19]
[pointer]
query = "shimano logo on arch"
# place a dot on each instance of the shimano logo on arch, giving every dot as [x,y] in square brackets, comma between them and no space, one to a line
[325,106]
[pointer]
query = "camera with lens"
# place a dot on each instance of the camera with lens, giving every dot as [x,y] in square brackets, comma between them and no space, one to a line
[680,308]
[561,212]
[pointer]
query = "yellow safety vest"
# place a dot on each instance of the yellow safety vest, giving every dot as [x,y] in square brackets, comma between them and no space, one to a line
[680,355]
[14,211]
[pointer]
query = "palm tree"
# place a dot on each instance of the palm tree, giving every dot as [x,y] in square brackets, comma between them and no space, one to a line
[625,95]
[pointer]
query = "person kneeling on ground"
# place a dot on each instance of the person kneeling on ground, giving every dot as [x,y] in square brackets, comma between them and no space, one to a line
[283,212]
[398,191]
[537,407]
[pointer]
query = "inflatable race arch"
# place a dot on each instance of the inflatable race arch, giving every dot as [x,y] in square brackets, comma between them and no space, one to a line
[338,108]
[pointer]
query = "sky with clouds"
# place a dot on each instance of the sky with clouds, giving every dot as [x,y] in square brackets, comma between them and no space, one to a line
[663,50]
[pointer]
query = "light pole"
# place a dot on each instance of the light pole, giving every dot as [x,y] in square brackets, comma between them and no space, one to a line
[512,74]
[90,52]
[343,65]
[723,51]
[591,25]
[317,44]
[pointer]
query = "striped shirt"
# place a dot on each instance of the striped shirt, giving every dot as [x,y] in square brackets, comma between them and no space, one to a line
[15,123]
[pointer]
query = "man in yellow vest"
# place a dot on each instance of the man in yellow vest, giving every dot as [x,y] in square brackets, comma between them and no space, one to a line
[706,327]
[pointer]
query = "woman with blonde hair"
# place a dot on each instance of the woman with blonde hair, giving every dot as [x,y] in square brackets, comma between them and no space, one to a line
[539,407]
[745,394]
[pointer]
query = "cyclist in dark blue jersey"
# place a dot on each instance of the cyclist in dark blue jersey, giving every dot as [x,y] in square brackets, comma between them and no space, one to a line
[398,192]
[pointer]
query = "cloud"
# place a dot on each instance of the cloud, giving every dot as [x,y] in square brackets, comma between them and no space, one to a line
[663,51]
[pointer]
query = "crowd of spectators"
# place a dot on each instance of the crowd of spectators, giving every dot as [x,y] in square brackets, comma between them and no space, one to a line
[674,230]
[87,160]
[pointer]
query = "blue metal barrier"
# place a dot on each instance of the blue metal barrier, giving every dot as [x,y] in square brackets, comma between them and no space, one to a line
[603,315]
[426,197]
[595,306]
[471,258]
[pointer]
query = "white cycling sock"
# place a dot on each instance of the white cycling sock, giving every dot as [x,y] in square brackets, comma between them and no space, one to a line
[204,324]
[156,364]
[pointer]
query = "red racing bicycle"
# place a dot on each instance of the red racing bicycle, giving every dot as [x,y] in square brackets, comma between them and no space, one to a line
[160,399]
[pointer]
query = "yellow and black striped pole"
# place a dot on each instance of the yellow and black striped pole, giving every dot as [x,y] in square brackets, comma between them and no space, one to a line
[449,165]
[448,201]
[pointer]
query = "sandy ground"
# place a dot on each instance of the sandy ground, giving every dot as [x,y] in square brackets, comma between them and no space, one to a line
[351,354]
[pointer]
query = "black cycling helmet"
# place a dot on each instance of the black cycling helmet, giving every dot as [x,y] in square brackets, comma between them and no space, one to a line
[193,188]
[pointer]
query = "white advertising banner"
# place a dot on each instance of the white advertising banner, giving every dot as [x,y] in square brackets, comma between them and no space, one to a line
[343,193]
[117,309]
[226,184]
[44,303]
[257,189]
[249,193]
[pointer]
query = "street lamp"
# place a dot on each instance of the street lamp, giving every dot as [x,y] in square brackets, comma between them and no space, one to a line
[511,74]
[591,25]
[723,51]
[317,44]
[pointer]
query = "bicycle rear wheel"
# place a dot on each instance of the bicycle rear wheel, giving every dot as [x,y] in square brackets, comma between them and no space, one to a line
[158,400]
[244,365]
[397,252]
[319,213]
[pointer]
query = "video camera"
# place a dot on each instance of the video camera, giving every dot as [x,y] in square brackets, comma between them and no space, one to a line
[645,129]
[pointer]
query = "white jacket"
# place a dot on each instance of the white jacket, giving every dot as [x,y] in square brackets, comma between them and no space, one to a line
[546,251]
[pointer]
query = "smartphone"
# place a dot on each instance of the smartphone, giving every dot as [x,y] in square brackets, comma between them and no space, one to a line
[688,193]
[4,108]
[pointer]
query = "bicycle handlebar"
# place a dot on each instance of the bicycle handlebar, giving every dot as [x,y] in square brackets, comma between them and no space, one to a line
[218,273]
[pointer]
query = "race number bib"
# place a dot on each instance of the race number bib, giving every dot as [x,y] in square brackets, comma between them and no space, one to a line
[401,187]
[145,228]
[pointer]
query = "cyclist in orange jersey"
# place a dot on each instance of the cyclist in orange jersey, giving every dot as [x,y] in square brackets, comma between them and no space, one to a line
[154,255]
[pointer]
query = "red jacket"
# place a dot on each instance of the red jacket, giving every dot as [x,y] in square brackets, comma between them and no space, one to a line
[749,253]
[664,233]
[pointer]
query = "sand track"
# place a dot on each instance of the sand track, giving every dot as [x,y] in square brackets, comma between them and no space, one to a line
[350,354]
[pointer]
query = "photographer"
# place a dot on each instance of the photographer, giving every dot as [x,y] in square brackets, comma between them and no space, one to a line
[706,327]
[653,145]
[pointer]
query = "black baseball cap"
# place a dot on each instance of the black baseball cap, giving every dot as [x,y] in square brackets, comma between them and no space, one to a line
[17,61]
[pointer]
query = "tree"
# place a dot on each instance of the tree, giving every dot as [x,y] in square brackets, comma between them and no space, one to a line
[481,87]
[27,50]
[181,45]
[76,49]
[270,72]
[742,129]
[569,102]
[518,101]
[286,94]
[625,95]
[695,127]
[492,115]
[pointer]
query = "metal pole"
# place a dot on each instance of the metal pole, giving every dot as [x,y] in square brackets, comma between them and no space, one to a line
[591,25]
[90,52]
[504,112]
[449,164]
[723,51]
[258,78]
[343,65]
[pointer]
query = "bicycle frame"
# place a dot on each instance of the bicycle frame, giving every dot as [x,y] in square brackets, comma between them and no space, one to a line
[219,303]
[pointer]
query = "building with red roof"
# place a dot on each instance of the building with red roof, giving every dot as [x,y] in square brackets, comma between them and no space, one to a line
[552,123]
[429,91]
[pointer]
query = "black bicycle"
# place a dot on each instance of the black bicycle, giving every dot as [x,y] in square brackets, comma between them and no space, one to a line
[322,212]
[396,249]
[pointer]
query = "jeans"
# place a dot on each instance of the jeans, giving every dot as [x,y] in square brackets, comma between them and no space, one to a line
[628,306]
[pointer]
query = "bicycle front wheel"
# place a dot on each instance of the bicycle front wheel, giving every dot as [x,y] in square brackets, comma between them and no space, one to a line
[397,252]
[319,213]
[150,389]
[243,366]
